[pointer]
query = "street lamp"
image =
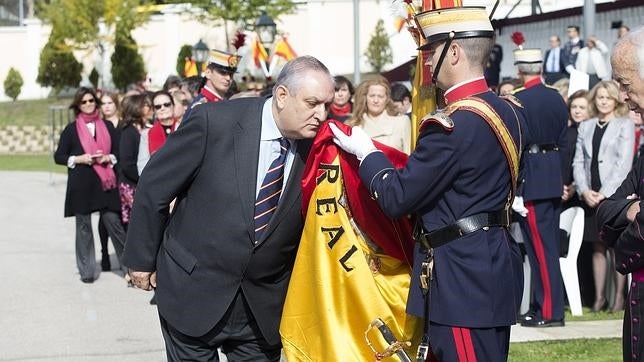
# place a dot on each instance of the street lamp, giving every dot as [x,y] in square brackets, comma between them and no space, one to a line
[200,51]
[266,29]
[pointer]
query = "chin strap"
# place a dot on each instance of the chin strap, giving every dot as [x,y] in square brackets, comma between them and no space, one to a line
[442,57]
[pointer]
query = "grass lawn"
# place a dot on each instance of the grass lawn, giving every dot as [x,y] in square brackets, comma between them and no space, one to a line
[587,350]
[590,316]
[29,163]
[29,113]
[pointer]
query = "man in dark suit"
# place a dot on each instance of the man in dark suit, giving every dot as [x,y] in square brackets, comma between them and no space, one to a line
[220,262]
[553,62]
[470,295]
[542,188]
[571,48]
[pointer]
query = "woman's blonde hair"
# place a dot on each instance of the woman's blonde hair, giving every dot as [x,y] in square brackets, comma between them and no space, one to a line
[621,109]
[360,99]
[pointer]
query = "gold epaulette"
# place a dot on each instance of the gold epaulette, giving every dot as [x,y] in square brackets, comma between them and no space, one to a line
[512,99]
[440,118]
[517,90]
[200,101]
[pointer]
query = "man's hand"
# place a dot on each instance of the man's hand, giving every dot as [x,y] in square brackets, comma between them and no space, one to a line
[634,209]
[519,207]
[359,143]
[143,280]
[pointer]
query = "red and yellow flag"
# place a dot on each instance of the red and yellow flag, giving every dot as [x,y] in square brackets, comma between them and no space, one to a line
[342,280]
[423,92]
[260,56]
[190,68]
[283,49]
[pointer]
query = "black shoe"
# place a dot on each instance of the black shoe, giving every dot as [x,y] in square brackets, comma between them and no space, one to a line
[542,323]
[105,263]
[87,280]
[527,316]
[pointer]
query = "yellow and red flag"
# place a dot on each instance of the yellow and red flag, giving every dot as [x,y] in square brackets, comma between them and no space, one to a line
[423,93]
[283,49]
[345,276]
[190,68]
[260,56]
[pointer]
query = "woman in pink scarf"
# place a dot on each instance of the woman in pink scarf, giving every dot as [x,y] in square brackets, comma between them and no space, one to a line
[86,148]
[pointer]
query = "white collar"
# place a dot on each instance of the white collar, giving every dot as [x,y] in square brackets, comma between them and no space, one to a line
[269,129]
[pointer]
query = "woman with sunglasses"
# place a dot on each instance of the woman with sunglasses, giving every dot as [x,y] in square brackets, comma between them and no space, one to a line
[164,123]
[86,148]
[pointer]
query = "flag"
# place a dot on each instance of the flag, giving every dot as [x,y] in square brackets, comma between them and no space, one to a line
[342,280]
[259,53]
[190,68]
[283,49]
[423,92]
[399,23]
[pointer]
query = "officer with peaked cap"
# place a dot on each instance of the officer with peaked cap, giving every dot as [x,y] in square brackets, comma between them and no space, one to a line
[217,79]
[459,181]
[542,188]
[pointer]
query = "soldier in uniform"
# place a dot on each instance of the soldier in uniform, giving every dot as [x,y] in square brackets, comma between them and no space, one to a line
[459,181]
[217,79]
[542,188]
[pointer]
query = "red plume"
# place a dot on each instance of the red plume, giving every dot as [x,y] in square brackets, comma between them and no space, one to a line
[517,38]
[239,40]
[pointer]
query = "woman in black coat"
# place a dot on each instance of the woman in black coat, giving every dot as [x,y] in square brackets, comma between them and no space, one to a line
[86,148]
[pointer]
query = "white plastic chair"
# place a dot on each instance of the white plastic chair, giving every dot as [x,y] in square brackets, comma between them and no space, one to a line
[572,221]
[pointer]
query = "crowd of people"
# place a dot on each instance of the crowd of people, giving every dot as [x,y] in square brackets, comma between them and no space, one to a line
[577,150]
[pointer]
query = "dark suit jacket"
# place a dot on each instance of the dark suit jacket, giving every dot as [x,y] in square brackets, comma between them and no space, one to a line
[616,230]
[203,252]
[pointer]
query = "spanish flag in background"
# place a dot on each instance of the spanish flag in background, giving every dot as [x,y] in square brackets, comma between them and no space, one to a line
[283,49]
[352,265]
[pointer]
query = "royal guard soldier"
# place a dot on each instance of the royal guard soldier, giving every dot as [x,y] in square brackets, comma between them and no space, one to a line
[459,182]
[217,79]
[541,189]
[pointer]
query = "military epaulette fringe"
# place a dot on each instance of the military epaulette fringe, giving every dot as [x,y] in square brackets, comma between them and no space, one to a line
[440,118]
[517,90]
[200,101]
[551,87]
[512,99]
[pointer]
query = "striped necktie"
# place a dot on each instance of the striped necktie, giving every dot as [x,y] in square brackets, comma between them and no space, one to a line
[270,191]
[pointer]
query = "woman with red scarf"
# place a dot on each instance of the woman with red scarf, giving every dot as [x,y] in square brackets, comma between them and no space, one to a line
[164,123]
[86,148]
[341,107]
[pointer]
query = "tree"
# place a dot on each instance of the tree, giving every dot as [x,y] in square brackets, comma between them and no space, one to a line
[13,84]
[379,51]
[127,63]
[184,52]
[243,12]
[58,67]
[91,24]
[93,77]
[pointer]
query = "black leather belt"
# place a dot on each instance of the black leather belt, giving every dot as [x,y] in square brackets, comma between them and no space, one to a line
[543,148]
[464,226]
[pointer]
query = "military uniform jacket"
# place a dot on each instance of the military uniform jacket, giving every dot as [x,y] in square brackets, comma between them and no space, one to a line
[547,119]
[450,175]
[625,237]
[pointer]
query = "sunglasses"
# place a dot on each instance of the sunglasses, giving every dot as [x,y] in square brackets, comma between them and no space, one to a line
[91,100]
[159,106]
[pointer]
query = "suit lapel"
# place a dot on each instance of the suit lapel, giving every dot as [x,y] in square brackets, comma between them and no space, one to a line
[246,151]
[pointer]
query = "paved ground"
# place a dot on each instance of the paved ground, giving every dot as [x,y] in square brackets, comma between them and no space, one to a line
[47,314]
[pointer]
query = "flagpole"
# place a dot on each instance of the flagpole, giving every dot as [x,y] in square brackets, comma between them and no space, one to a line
[356,43]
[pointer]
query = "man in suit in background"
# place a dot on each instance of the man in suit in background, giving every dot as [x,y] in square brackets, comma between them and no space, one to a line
[221,261]
[571,48]
[553,62]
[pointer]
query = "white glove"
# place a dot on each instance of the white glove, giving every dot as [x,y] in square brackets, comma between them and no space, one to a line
[359,143]
[519,207]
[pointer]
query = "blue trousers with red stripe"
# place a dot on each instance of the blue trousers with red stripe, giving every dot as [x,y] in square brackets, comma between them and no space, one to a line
[542,239]
[461,344]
